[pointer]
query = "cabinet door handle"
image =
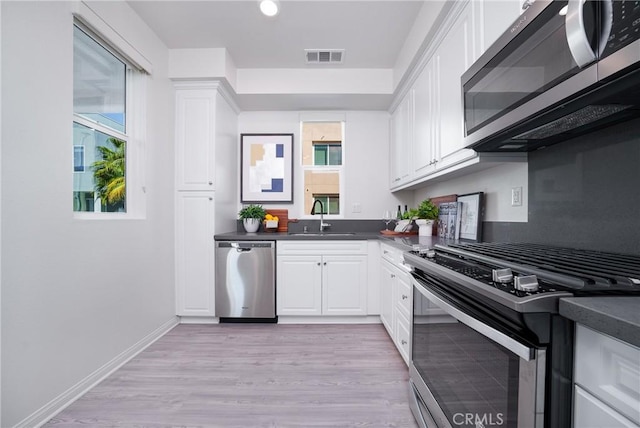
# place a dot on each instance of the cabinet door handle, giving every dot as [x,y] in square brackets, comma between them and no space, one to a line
[404,297]
[393,276]
[325,263]
[404,342]
[211,183]
[319,263]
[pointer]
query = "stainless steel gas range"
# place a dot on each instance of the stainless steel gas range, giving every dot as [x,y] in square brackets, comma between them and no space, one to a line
[488,346]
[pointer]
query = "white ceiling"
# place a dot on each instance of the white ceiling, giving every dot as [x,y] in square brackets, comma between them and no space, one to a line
[372,32]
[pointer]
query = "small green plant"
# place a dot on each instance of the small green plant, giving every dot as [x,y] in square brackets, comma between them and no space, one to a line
[252,211]
[427,210]
[410,215]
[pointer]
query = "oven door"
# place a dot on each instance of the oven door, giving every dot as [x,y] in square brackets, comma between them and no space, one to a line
[466,373]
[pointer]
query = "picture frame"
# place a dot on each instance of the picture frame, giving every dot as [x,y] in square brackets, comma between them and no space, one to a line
[266,168]
[471,216]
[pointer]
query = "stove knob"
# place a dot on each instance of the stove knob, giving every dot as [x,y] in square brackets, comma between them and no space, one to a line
[526,283]
[431,254]
[502,275]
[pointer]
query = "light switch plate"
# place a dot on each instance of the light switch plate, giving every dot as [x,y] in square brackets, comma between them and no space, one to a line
[516,196]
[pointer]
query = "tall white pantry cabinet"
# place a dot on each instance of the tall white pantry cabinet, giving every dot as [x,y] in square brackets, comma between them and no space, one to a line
[206,147]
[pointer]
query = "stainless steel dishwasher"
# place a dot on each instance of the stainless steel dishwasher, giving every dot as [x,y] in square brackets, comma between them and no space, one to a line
[245,281]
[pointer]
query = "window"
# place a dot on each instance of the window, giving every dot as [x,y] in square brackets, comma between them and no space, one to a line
[100,125]
[331,203]
[327,153]
[78,158]
[322,162]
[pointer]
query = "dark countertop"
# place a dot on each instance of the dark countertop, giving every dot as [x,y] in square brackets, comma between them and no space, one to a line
[617,316]
[404,242]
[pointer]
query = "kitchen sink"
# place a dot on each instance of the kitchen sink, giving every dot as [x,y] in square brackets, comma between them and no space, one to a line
[322,234]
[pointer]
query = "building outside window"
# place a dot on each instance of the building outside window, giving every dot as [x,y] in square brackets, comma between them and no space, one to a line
[100,125]
[322,162]
[78,158]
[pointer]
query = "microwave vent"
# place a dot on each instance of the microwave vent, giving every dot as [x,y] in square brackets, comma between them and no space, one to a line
[584,116]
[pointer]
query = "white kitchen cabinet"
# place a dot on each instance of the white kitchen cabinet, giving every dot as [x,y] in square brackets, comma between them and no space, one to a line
[492,18]
[195,254]
[397,299]
[607,380]
[426,117]
[195,138]
[322,278]
[206,147]
[589,412]
[299,285]
[386,296]
[401,136]
[453,57]
[431,111]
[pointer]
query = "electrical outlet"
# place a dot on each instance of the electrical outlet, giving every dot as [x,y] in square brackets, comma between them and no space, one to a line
[516,196]
[357,208]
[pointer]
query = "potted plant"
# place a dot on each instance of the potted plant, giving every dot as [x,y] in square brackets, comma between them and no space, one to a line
[252,216]
[427,213]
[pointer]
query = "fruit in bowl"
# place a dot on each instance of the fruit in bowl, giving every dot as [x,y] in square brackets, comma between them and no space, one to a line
[270,221]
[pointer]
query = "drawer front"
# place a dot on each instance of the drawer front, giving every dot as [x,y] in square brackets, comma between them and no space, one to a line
[321,247]
[589,412]
[403,337]
[609,369]
[404,296]
[392,254]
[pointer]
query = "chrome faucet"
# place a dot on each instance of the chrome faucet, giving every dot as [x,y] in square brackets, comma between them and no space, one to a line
[313,212]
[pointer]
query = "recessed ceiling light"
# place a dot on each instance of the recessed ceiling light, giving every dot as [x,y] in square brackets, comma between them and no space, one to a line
[269,7]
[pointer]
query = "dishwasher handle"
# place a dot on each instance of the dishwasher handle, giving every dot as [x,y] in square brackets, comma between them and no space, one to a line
[245,245]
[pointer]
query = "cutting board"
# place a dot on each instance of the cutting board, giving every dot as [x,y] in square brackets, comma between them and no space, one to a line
[283,217]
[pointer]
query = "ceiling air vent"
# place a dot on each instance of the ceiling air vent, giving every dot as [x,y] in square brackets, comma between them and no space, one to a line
[324,56]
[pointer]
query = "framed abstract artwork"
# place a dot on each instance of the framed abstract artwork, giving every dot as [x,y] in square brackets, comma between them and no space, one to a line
[471,216]
[266,169]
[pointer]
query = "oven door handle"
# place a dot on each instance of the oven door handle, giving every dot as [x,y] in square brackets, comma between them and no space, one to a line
[523,351]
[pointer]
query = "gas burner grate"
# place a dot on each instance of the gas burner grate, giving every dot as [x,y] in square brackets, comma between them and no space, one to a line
[579,269]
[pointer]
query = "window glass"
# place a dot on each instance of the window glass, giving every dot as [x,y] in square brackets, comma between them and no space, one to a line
[322,162]
[104,176]
[99,83]
[100,134]
[330,203]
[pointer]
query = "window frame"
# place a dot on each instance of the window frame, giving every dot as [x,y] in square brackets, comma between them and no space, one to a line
[134,135]
[339,169]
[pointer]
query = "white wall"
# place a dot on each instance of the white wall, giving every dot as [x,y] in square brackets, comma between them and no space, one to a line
[495,182]
[75,294]
[366,148]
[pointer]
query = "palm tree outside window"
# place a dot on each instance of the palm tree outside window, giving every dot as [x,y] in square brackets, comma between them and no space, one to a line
[100,125]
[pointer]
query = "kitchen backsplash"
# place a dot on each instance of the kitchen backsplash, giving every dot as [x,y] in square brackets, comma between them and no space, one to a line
[583,193]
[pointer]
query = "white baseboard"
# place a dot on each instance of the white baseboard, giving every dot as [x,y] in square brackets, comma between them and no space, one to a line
[199,320]
[58,404]
[293,319]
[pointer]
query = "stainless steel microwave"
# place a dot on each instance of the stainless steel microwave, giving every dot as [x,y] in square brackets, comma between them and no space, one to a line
[562,69]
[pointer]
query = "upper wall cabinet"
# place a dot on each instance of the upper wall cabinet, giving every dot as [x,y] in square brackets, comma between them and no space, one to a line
[195,138]
[427,137]
[492,19]
[401,130]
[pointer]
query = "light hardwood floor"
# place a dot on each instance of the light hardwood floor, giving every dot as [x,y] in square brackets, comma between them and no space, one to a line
[254,375]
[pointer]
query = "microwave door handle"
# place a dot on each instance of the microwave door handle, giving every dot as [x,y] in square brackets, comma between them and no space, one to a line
[607,24]
[576,34]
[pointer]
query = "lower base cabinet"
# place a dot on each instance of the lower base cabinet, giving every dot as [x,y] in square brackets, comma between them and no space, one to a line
[195,254]
[314,278]
[396,300]
[606,381]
